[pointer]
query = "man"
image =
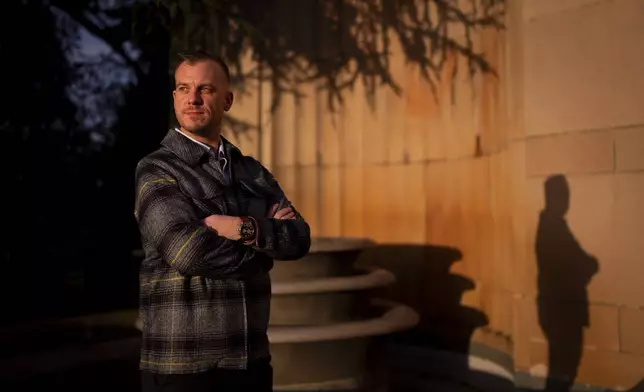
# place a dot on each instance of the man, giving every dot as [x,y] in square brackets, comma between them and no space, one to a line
[212,220]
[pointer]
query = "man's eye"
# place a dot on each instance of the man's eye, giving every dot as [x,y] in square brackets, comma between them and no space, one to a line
[207,90]
[182,89]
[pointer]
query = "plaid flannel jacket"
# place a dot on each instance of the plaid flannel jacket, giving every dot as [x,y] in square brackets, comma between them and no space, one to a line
[204,299]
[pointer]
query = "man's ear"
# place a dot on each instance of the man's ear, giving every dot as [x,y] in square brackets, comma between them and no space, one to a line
[228,101]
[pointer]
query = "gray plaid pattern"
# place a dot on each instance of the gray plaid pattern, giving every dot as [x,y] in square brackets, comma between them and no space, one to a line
[204,299]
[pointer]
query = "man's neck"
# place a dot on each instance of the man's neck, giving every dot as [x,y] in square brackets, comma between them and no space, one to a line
[213,139]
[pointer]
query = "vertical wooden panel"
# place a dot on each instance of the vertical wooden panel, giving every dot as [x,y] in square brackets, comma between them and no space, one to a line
[285,137]
[245,110]
[395,107]
[329,123]
[436,187]
[308,195]
[329,128]
[406,203]
[435,130]
[376,202]
[265,121]
[480,226]
[447,98]
[305,127]
[330,202]
[419,110]
[462,138]
[352,127]
[353,195]
[501,197]
[375,140]
[375,130]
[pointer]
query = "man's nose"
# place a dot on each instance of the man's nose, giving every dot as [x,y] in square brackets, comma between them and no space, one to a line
[195,98]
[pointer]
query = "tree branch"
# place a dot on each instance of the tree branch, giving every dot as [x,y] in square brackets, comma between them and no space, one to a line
[105,35]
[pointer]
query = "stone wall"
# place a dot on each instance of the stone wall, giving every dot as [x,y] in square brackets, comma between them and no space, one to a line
[451,180]
[579,79]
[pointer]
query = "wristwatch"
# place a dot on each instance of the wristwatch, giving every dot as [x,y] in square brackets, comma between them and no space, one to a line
[247,228]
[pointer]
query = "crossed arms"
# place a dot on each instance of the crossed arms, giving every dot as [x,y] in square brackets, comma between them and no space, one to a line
[210,247]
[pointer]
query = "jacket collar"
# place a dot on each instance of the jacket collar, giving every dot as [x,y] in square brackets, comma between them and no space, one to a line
[189,151]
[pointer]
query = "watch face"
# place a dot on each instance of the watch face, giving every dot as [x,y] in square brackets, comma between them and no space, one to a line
[246,230]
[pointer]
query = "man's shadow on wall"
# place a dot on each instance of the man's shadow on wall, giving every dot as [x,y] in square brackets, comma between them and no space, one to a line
[564,272]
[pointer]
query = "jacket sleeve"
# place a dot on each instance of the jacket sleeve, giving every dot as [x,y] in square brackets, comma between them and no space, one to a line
[168,220]
[282,239]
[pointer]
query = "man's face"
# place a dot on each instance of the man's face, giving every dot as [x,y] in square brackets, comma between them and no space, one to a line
[201,96]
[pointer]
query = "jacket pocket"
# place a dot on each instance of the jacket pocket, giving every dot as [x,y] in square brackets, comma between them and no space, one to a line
[206,193]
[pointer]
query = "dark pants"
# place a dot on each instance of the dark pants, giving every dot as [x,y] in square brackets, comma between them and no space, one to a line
[257,378]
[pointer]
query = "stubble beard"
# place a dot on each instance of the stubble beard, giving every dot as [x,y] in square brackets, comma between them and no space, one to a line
[206,130]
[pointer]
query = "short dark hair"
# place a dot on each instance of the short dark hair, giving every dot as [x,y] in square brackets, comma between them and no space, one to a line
[195,56]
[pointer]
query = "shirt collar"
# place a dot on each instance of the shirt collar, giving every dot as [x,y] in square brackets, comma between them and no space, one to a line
[204,145]
[186,148]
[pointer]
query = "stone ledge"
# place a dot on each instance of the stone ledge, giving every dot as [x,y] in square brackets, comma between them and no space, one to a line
[395,318]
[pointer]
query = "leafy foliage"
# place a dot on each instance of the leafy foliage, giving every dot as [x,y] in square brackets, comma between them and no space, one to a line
[333,43]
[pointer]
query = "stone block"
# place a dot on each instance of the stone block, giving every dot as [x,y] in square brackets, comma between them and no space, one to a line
[574,153]
[579,76]
[534,9]
[631,323]
[625,266]
[629,144]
